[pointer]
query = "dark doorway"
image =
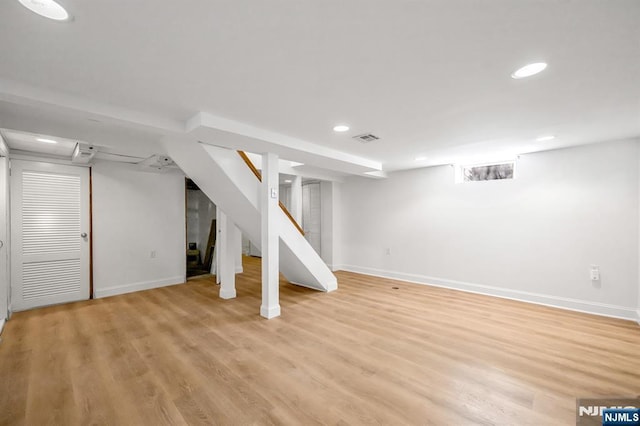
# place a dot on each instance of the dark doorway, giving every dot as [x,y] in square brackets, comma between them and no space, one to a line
[201,231]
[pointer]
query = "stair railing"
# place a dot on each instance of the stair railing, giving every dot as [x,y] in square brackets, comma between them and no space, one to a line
[257,173]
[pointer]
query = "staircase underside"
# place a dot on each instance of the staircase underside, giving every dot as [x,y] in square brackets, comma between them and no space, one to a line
[224,177]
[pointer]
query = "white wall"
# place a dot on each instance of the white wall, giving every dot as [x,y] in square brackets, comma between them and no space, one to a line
[532,238]
[135,213]
[4,233]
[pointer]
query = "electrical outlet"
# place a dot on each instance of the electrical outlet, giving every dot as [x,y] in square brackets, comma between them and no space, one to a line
[594,272]
[153,254]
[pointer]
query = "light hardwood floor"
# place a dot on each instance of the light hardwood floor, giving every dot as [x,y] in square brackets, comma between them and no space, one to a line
[365,354]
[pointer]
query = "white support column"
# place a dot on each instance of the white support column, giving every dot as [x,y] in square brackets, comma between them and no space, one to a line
[296,199]
[270,237]
[226,251]
[215,268]
[237,248]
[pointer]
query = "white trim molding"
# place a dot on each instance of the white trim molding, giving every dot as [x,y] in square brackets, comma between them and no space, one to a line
[130,288]
[2,322]
[586,306]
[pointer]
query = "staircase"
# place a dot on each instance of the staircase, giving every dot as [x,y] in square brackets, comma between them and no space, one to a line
[223,175]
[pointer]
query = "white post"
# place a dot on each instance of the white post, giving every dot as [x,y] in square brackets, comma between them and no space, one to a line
[237,248]
[270,237]
[296,199]
[226,251]
[215,268]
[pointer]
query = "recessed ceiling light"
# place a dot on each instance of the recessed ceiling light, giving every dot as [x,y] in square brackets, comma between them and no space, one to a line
[529,70]
[545,138]
[421,158]
[47,8]
[340,128]
[288,181]
[46,140]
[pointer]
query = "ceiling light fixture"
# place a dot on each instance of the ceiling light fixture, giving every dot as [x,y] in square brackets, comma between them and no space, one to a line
[421,158]
[288,181]
[545,138]
[47,8]
[46,140]
[340,128]
[529,70]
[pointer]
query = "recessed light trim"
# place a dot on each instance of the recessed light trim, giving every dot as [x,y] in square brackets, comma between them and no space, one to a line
[421,158]
[43,140]
[545,138]
[47,8]
[340,128]
[529,70]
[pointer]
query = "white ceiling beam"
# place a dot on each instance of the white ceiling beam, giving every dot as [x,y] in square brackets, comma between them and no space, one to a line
[213,130]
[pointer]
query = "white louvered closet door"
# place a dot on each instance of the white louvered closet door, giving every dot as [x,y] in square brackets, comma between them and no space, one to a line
[49,234]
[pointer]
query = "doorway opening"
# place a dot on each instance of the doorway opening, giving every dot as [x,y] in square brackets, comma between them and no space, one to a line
[311,218]
[201,231]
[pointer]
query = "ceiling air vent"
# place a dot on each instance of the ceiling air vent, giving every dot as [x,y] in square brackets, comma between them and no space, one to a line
[366,138]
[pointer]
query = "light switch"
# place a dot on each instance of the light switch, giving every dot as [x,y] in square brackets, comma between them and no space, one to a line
[274,193]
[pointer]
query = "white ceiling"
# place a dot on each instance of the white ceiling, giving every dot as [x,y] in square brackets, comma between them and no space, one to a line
[28,142]
[429,77]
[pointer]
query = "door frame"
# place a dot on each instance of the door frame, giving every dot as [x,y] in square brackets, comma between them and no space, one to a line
[5,233]
[91,296]
[52,161]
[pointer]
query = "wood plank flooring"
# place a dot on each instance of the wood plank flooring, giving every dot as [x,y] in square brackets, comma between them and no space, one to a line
[365,354]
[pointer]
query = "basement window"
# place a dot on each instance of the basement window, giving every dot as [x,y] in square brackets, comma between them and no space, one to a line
[483,172]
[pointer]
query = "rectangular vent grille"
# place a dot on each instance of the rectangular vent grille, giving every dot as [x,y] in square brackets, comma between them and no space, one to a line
[44,279]
[366,138]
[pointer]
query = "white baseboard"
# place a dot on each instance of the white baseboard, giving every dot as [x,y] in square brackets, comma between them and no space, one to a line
[130,288]
[334,267]
[2,321]
[596,308]
[239,270]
